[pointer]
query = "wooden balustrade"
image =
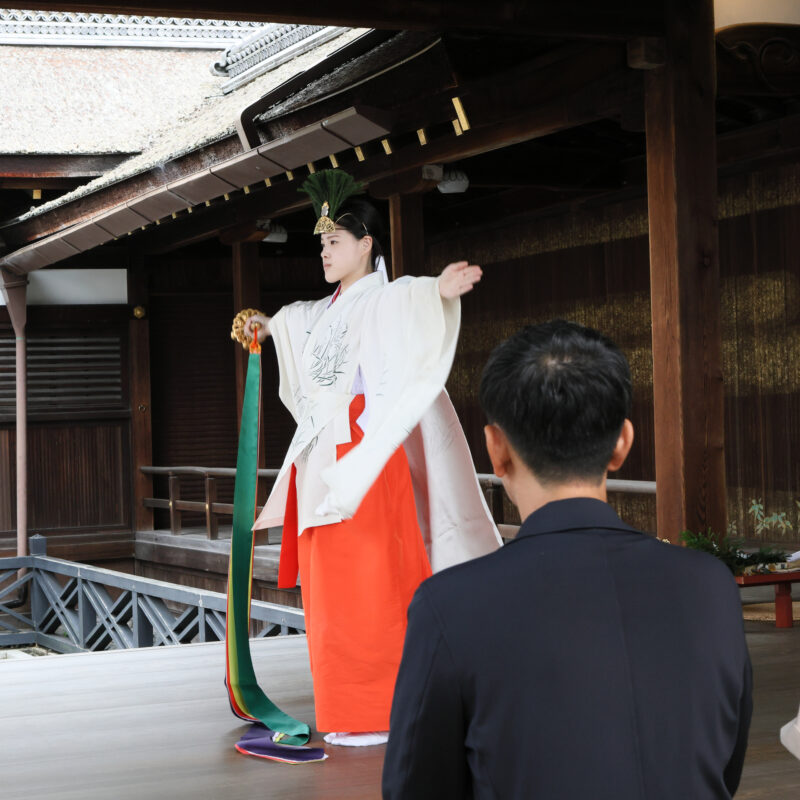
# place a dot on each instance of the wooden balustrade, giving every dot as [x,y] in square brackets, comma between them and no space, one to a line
[209,506]
[212,509]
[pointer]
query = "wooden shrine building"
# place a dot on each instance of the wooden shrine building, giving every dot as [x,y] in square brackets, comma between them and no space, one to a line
[632,166]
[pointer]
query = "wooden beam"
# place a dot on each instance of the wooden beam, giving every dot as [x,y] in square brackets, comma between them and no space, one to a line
[411,181]
[58,184]
[617,19]
[684,275]
[58,166]
[597,99]
[140,396]
[476,211]
[407,233]
[758,60]
[245,232]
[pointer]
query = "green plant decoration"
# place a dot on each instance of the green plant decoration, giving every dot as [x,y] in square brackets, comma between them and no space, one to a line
[729,550]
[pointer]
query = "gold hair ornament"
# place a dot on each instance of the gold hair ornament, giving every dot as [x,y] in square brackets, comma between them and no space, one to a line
[328,190]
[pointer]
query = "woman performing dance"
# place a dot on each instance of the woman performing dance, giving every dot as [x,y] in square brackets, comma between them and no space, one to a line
[378,487]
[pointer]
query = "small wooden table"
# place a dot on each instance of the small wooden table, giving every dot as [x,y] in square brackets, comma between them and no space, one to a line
[783,592]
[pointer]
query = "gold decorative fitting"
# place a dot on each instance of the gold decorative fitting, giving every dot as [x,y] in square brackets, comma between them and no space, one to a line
[189,209]
[158,222]
[267,182]
[311,168]
[237,329]
[226,196]
[460,113]
[334,161]
[457,127]
[289,175]
[387,148]
[423,139]
[359,153]
[174,215]
[325,224]
[208,204]
[139,312]
[246,189]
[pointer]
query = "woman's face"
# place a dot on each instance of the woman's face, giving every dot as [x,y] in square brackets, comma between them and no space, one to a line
[345,258]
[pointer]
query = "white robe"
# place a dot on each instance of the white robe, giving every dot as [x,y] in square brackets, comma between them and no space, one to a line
[395,342]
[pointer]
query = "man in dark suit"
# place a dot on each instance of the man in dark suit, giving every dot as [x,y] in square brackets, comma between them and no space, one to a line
[584,660]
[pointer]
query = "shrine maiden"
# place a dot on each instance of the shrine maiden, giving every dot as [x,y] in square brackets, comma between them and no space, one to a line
[378,487]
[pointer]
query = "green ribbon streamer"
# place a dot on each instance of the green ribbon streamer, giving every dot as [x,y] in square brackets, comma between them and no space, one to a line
[241,679]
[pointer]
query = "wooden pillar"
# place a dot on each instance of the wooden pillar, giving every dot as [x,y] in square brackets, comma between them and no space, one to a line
[246,294]
[15,291]
[407,231]
[141,413]
[684,275]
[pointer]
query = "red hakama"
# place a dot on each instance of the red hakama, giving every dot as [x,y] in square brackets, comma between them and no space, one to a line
[357,578]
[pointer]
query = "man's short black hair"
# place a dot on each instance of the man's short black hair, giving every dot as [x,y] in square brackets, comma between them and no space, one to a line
[560,392]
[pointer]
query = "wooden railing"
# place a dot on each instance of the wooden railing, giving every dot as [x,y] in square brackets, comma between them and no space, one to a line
[208,506]
[491,485]
[76,607]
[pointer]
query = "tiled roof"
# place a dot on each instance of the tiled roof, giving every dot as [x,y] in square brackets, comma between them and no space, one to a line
[267,48]
[211,119]
[120,99]
[74,100]
[115,30]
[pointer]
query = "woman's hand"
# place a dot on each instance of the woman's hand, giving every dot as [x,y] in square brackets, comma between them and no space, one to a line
[458,278]
[263,326]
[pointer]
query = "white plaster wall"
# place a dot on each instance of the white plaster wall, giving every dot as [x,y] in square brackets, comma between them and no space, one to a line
[740,12]
[72,287]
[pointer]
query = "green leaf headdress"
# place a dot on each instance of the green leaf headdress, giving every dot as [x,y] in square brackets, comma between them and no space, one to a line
[328,190]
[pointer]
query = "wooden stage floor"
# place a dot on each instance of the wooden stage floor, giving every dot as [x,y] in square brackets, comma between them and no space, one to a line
[152,724]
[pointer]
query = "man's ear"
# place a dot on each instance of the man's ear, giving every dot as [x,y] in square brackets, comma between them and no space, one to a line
[498,448]
[623,446]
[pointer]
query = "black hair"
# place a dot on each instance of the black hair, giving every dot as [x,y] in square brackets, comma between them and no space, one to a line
[359,217]
[560,392]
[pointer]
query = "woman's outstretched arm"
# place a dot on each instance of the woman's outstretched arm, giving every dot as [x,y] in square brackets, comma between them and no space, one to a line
[458,278]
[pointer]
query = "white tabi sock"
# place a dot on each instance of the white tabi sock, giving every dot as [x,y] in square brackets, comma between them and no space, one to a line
[357,739]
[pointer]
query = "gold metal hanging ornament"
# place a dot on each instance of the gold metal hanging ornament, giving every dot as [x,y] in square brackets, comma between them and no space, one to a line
[325,224]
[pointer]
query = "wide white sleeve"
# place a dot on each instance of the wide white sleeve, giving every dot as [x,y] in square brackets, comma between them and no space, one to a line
[290,329]
[408,341]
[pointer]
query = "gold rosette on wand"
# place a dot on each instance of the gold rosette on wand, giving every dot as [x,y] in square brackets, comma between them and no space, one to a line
[237,329]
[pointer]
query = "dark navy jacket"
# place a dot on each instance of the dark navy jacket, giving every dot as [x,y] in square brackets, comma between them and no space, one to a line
[584,660]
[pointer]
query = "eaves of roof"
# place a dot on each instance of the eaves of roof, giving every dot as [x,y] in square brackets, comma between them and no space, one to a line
[345,130]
